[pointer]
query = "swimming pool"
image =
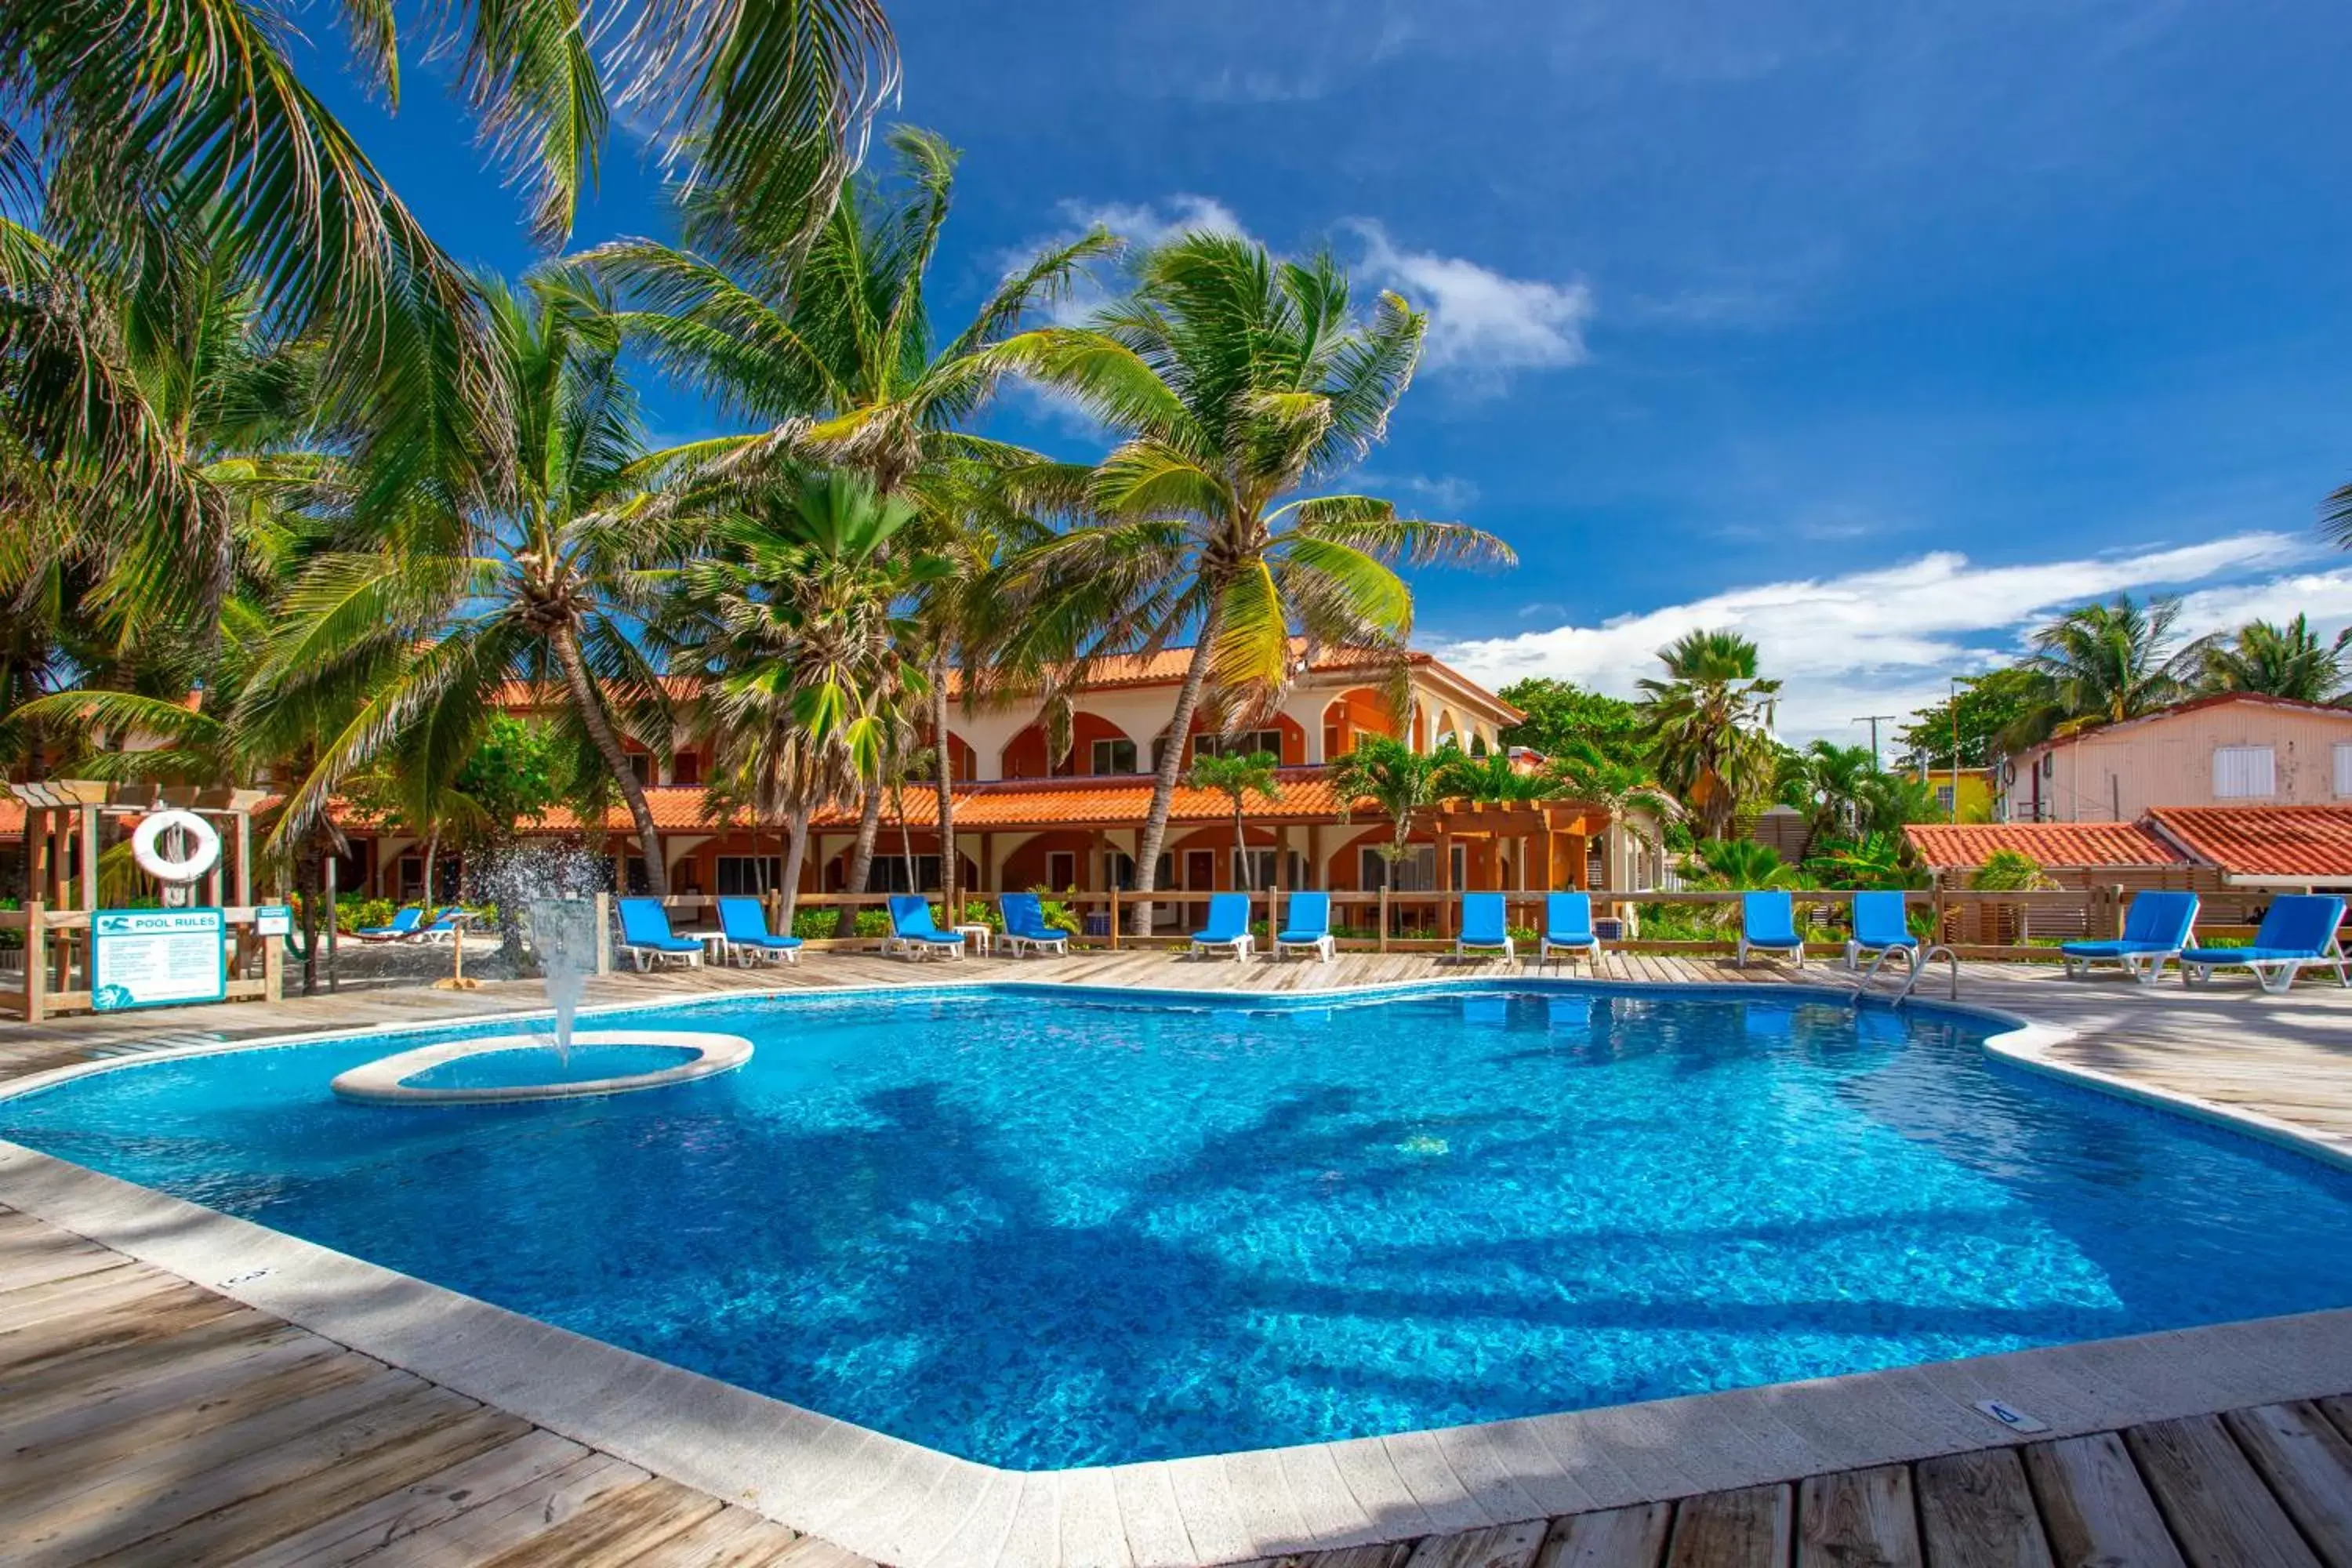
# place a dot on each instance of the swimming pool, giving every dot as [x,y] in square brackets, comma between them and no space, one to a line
[1039,1231]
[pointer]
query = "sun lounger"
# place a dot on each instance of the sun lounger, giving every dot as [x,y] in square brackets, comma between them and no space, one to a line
[2157,926]
[1308,918]
[2298,933]
[1567,927]
[912,933]
[446,926]
[1879,926]
[404,924]
[1768,924]
[1025,930]
[745,926]
[1228,927]
[1484,929]
[646,938]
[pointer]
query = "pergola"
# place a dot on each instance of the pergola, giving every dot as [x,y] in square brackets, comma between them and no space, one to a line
[1550,842]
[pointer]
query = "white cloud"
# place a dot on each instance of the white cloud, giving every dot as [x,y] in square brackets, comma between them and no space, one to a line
[1886,639]
[1480,320]
[1149,224]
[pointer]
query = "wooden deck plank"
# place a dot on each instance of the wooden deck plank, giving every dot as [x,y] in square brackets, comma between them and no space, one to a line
[1977,1512]
[1615,1538]
[1858,1519]
[341,1539]
[513,1517]
[732,1537]
[1500,1546]
[618,1531]
[2221,1514]
[1745,1529]
[2093,1506]
[2308,1464]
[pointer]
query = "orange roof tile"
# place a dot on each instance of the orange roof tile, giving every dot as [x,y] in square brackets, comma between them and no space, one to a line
[2273,842]
[2072,846]
[12,813]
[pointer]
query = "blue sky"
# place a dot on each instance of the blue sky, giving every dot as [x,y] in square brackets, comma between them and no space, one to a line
[1878,332]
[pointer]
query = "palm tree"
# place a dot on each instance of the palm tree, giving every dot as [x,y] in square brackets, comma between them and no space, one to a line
[2287,661]
[1395,778]
[188,117]
[1587,772]
[837,362]
[1491,777]
[2101,663]
[1709,716]
[1237,777]
[1830,783]
[521,559]
[1236,385]
[795,617]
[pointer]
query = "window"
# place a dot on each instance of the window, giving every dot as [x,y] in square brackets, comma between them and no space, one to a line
[889,874]
[1416,872]
[1254,865]
[1118,870]
[686,768]
[2343,771]
[1241,745]
[1114,756]
[750,873]
[2244,772]
[641,767]
[1944,798]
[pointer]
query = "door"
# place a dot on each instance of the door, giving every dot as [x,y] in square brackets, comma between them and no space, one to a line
[1061,869]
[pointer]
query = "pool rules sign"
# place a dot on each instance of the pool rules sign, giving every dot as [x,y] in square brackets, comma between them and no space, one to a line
[156,958]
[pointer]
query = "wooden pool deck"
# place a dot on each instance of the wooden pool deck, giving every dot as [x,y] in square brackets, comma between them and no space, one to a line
[148,1419]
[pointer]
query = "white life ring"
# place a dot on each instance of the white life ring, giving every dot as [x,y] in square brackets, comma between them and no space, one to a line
[201,858]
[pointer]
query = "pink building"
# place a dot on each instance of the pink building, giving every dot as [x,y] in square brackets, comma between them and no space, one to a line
[2227,750]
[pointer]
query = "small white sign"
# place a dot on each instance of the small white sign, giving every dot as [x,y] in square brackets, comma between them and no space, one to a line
[2009,1416]
[156,958]
[273,920]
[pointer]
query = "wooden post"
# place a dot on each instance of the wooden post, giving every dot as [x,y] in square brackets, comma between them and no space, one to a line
[36,963]
[244,858]
[89,858]
[604,933]
[273,968]
[1384,910]
[1115,895]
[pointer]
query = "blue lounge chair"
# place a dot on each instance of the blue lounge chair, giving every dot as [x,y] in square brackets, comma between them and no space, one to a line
[1308,918]
[1484,929]
[1879,926]
[745,925]
[404,924]
[2157,926]
[1567,927]
[446,925]
[912,934]
[1228,927]
[2297,932]
[646,935]
[1768,924]
[1025,930]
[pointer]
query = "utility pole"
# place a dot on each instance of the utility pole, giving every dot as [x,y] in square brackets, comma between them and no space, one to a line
[1872,719]
[1956,746]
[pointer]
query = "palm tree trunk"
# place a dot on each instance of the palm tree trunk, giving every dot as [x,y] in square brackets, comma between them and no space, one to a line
[1241,851]
[591,706]
[432,853]
[1171,762]
[861,859]
[795,851]
[906,838]
[943,780]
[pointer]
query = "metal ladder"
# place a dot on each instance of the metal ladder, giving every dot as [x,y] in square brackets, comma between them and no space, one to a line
[1919,972]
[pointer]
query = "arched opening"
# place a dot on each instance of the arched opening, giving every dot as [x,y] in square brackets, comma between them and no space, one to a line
[1352,714]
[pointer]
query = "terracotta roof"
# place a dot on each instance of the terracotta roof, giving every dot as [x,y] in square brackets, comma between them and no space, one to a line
[2281,842]
[12,813]
[2195,705]
[2069,845]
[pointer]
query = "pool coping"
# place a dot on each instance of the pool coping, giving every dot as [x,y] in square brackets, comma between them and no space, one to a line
[898,1502]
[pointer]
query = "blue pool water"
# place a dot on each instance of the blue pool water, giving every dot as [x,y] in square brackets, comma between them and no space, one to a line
[1041,1231]
[528,1064]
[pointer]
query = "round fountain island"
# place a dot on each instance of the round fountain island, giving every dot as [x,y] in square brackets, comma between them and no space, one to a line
[504,1067]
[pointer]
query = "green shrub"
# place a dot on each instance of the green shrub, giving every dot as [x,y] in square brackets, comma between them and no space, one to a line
[355,913]
[819,923]
[2007,872]
[979,912]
